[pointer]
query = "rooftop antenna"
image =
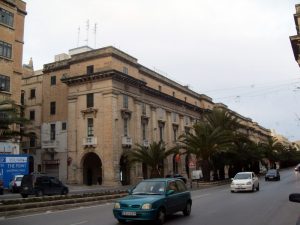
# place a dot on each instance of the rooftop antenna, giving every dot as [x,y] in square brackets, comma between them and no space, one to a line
[78,36]
[87,31]
[95,34]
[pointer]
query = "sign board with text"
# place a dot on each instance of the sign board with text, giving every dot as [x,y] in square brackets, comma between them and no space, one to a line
[11,165]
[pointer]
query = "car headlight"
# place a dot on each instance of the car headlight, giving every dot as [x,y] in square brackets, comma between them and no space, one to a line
[117,205]
[249,183]
[147,206]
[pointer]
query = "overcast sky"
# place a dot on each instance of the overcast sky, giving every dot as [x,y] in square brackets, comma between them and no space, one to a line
[236,51]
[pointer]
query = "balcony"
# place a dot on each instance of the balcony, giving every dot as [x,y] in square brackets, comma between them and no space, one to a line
[50,144]
[126,141]
[89,142]
[146,143]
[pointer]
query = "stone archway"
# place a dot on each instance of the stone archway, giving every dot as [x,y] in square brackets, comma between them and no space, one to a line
[92,169]
[176,160]
[30,164]
[124,170]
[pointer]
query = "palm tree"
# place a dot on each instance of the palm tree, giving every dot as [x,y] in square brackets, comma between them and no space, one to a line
[271,150]
[9,117]
[210,139]
[203,143]
[153,156]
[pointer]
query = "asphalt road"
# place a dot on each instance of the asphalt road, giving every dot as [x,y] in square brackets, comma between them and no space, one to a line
[212,206]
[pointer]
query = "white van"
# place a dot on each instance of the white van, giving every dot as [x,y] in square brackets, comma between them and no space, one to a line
[197,175]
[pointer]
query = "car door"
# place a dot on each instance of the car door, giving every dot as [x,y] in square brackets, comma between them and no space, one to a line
[172,199]
[55,186]
[183,195]
[255,180]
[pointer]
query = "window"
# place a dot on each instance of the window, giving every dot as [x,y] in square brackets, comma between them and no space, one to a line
[90,69]
[126,127]
[6,17]
[32,115]
[32,93]
[173,93]
[125,101]
[52,132]
[5,49]
[175,129]
[90,127]
[32,142]
[63,125]
[185,99]
[125,70]
[144,129]
[159,87]
[143,108]
[22,98]
[90,100]
[52,108]
[161,131]
[4,83]
[53,80]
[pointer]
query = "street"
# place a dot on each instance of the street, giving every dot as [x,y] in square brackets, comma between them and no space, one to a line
[211,206]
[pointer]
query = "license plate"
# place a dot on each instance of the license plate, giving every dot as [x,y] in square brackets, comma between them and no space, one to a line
[125,213]
[240,186]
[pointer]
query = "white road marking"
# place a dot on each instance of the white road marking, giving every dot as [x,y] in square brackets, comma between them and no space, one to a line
[200,196]
[82,222]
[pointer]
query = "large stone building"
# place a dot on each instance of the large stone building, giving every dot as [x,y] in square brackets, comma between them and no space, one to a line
[97,104]
[12,16]
[295,40]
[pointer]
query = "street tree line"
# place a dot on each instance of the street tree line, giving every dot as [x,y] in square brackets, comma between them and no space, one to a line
[216,141]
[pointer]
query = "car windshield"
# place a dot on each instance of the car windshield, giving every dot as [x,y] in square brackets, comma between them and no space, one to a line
[19,178]
[271,172]
[149,188]
[242,176]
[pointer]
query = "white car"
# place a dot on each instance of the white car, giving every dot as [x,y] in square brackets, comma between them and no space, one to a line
[244,181]
[15,184]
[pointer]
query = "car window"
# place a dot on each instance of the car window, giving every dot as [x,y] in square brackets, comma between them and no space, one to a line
[172,186]
[181,186]
[149,187]
[241,176]
[54,180]
[18,178]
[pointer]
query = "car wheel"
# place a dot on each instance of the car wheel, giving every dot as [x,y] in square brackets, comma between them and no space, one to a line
[39,193]
[232,191]
[188,209]
[161,217]
[122,221]
[257,188]
[266,179]
[24,195]
[64,192]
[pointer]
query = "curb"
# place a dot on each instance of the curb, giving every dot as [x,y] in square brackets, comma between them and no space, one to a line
[17,209]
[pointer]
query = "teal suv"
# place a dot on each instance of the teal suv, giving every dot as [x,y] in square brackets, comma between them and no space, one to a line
[153,200]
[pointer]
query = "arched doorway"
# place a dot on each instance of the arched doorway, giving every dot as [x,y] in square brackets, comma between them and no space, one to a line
[187,168]
[124,170]
[92,169]
[145,170]
[31,164]
[176,160]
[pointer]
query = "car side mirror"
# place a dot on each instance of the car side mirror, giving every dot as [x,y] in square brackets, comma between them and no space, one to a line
[231,179]
[170,192]
[295,197]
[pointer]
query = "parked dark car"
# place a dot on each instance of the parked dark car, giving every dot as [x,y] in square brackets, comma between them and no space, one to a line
[272,174]
[177,176]
[153,200]
[1,187]
[40,185]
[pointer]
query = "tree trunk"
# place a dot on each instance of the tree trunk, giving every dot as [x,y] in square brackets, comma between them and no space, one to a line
[205,170]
